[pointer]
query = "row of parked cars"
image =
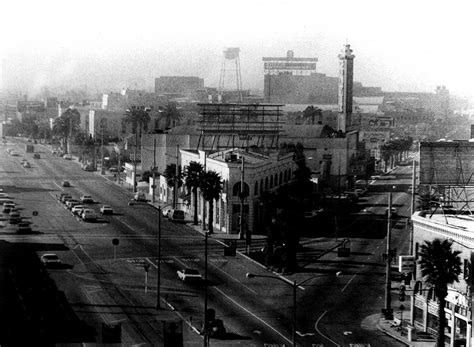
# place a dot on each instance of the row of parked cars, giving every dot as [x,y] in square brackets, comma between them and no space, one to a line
[12,214]
[79,207]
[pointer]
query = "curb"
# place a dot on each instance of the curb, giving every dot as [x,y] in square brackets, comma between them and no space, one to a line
[388,333]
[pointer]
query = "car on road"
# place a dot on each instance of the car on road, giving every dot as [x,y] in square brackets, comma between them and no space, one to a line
[50,259]
[36,156]
[187,275]
[106,209]
[77,210]
[67,156]
[87,199]
[23,228]
[176,216]
[14,154]
[26,165]
[65,184]
[66,198]
[88,214]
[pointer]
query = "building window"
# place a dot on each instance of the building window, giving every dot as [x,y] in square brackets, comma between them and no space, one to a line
[276,180]
[271,181]
[236,189]
[281,179]
[255,191]
[261,186]
[266,183]
[285,176]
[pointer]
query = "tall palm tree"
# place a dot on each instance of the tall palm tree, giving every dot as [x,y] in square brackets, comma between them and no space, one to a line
[192,179]
[138,118]
[172,179]
[66,125]
[171,115]
[211,188]
[440,265]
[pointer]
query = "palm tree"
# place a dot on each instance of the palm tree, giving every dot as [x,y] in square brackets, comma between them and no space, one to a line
[211,188]
[67,125]
[193,175]
[171,115]
[171,179]
[138,118]
[440,266]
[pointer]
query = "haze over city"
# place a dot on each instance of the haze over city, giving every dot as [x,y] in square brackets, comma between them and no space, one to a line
[407,46]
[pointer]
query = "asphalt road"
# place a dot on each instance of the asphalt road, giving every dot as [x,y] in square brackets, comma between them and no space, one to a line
[104,283]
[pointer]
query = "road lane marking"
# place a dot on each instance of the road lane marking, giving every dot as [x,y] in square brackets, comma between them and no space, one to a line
[252,314]
[348,282]
[320,333]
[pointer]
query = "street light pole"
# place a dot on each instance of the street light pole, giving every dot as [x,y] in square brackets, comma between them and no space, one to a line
[295,286]
[158,281]
[206,336]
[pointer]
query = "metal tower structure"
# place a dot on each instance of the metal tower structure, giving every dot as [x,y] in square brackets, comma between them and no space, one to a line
[448,177]
[231,125]
[230,57]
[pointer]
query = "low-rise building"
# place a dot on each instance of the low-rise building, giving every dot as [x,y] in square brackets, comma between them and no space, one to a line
[424,305]
[260,173]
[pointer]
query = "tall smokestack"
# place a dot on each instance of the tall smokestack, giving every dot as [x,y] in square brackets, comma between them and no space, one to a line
[346,76]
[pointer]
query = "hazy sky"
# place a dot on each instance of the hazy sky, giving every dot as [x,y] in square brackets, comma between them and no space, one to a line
[405,45]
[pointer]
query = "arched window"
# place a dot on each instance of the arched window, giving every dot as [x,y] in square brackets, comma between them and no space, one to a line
[261,186]
[271,181]
[236,189]
[255,190]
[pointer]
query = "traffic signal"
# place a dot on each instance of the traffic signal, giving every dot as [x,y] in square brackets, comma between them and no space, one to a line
[401,294]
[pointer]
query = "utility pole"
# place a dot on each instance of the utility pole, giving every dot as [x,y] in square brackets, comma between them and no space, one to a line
[412,207]
[102,169]
[135,162]
[153,187]
[388,282]
[241,216]
[176,177]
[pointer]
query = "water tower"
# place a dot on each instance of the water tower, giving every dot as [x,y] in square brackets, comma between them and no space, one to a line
[230,72]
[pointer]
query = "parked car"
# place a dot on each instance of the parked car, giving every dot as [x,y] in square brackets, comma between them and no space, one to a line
[36,156]
[87,199]
[66,199]
[14,154]
[15,217]
[88,214]
[176,216]
[67,156]
[8,207]
[26,165]
[50,259]
[65,184]
[106,209]
[71,203]
[88,167]
[77,210]
[24,227]
[63,195]
[188,274]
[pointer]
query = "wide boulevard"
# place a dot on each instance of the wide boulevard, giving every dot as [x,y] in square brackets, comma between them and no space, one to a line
[338,304]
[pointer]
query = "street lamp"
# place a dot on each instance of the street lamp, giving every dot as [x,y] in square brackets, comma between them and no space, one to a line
[294,285]
[158,281]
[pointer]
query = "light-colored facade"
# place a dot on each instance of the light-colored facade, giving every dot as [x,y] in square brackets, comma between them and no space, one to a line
[424,306]
[260,173]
